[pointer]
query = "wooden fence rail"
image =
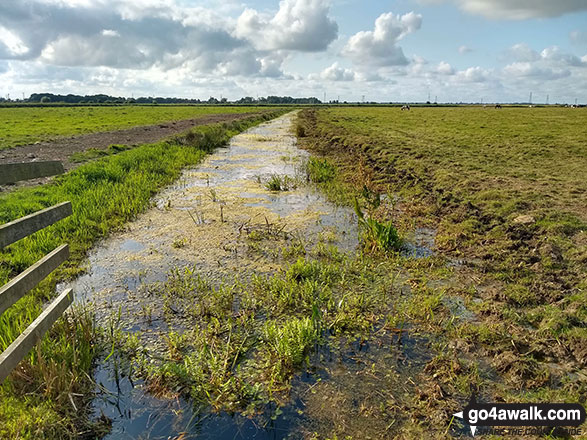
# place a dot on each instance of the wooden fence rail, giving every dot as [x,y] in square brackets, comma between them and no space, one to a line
[15,172]
[18,287]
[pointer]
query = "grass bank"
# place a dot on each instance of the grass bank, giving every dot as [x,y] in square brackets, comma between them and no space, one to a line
[45,397]
[26,125]
[504,191]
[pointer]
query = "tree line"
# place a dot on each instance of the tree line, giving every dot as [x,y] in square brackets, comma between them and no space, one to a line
[107,99]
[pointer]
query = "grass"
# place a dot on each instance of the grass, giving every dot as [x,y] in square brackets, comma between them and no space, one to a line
[22,125]
[106,193]
[279,182]
[377,235]
[320,170]
[503,191]
[247,340]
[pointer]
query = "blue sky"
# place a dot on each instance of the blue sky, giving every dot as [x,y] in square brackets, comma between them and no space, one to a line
[403,50]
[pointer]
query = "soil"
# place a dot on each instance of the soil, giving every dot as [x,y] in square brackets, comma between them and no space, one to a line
[62,148]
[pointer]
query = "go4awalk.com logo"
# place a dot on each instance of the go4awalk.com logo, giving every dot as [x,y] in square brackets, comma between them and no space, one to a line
[524,418]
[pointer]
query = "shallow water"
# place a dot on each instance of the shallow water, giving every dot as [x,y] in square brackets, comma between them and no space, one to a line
[203,220]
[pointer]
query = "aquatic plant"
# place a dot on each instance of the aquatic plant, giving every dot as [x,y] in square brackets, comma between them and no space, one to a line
[280,183]
[376,234]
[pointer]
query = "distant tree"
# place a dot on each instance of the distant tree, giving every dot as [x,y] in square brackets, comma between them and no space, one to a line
[45,99]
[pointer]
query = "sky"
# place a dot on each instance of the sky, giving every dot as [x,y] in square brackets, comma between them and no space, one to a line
[395,50]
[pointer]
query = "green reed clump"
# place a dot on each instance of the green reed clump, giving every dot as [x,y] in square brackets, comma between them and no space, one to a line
[290,341]
[377,235]
[280,183]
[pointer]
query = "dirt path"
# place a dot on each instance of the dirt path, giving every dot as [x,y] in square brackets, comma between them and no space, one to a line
[62,148]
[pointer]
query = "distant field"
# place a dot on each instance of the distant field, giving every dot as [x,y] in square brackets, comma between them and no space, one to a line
[21,126]
[535,156]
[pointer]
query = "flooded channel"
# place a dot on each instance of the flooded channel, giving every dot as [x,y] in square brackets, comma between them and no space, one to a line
[211,221]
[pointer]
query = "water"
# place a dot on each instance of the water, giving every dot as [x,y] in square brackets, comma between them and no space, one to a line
[202,220]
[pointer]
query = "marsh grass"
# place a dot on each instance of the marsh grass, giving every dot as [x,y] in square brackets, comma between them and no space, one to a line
[320,170]
[377,235]
[105,194]
[248,339]
[279,182]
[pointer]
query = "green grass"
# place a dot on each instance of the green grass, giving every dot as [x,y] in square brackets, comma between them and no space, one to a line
[280,183]
[377,235]
[320,170]
[505,192]
[21,125]
[105,194]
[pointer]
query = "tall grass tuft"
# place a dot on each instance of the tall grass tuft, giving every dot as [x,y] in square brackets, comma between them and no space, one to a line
[290,341]
[377,235]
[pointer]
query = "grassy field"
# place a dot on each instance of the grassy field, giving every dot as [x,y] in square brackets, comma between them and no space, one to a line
[22,125]
[505,192]
[47,396]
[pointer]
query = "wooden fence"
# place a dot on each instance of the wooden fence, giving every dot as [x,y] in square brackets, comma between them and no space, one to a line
[24,282]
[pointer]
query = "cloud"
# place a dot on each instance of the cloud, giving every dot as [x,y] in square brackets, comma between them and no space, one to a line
[110,33]
[517,9]
[556,55]
[11,45]
[445,69]
[162,34]
[530,70]
[473,74]
[335,73]
[550,64]
[301,25]
[464,49]
[379,46]
[522,52]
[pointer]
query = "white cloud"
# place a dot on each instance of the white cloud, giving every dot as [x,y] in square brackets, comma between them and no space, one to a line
[162,34]
[473,74]
[556,55]
[302,25]
[517,9]
[13,45]
[522,52]
[464,49]
[445,69]
[379,46]
[526,69]
[110,33]
[335,73]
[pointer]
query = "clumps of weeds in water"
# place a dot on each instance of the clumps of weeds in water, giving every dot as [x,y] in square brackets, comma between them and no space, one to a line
[237,345]
[377,235]
[280,183]
[179,242]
